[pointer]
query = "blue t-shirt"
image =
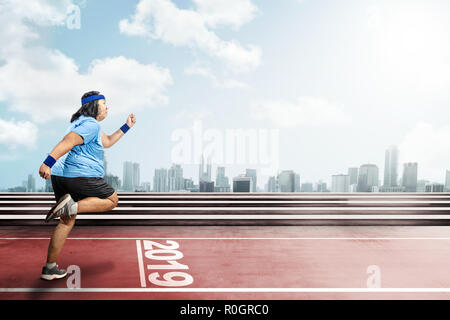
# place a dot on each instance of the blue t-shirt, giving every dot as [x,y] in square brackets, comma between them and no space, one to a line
[84,160]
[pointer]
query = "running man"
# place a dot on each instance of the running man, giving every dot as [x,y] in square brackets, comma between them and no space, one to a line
[76,169]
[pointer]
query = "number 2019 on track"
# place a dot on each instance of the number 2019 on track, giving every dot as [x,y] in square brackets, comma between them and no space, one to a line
[165,257]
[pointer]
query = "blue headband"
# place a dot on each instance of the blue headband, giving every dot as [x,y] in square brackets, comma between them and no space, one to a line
[92,98]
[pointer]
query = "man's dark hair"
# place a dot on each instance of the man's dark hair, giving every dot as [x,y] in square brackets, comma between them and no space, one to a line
[89,109]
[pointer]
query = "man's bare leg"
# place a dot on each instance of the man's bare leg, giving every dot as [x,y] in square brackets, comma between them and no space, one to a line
[59,237]
[90,204]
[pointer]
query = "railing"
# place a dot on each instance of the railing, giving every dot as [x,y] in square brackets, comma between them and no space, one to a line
[243,209]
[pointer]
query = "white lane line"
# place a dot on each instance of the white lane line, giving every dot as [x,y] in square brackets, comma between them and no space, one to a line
[249,290]
[238,238]
[246,208]
[249,201]
[141,263]
[236,196]
[239,217]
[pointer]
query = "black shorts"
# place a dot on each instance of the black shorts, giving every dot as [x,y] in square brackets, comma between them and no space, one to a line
[81,187]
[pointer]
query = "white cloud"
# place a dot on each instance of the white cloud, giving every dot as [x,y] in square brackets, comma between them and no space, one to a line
[430,148]
[55,91]
[14,133]
[233,13]
[161,19]
[46,84]
[306,111]
[204,72]
[191,116]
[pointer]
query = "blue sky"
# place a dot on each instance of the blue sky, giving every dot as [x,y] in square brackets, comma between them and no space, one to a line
[340,81]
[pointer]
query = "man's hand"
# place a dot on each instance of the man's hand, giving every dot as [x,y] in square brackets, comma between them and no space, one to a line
[131,120]
[45,171]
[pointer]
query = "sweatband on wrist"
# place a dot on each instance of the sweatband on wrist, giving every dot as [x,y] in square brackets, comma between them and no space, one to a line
[92,98]
[50,161]
[125,128]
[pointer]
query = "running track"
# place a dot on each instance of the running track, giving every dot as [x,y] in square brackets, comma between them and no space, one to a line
[406,256]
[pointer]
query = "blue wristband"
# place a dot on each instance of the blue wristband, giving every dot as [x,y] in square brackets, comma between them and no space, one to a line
[125,128]
[50,161]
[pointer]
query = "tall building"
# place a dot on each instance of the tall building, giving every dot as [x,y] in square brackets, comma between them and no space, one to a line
[48,186]
[353,175]
[434,187]
[321,186]
[286,181]
[188,184]
[160,183]
[127,176]
[447,181]
[31,183]
[146,187]
[206,186]
[113,181]
[202,174]
[306,187]
[136,176]
[296,182]
[175,178]
[242,183]
[251,173]
[222,183]
[105,165]
[340,183]
[421,185]
[131,176]
[272,185]
[409,178]
[391,167]
[367,178]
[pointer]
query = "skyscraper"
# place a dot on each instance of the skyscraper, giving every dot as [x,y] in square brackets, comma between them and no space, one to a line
[131,176]
[48,186]
[206,186]
[272,185]
[242,183]
[340,183]
[222,183]
[409,178]
[175,178]
[296,182]
[447,181]
[353,174]
[188,184]
[367,178]
[31,183]
[127,176]
[202,174]
[160,183]
[434,187]
[306,187]
[286,181]
[321,186]
[391,167]
[136,176]
[251,173]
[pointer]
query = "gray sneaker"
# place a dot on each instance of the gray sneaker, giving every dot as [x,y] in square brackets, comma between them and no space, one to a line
[53,273]
[61,209]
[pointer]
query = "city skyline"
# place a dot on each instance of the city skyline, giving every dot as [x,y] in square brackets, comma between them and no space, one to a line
[364,178]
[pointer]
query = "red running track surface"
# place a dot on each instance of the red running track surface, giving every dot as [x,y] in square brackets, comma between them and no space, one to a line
[232,262]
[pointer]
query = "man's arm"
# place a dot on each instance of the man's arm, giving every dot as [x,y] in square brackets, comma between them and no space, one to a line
[109,141]
[69,141]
